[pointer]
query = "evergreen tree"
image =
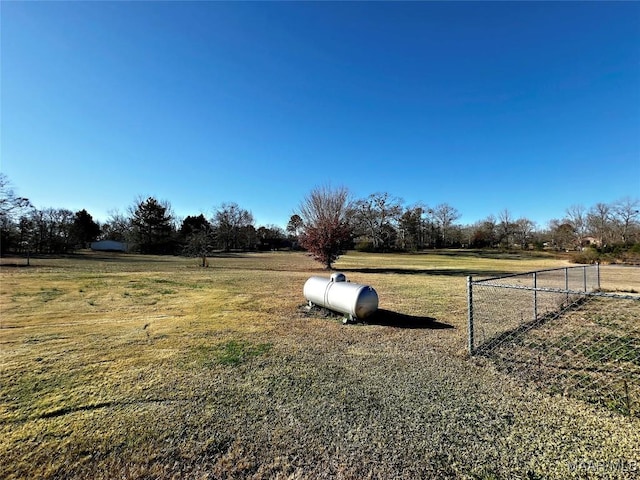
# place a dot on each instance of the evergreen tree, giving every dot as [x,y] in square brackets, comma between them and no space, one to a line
[84,230]
[152,226]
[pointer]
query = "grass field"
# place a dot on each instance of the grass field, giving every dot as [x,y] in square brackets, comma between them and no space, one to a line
[124,366]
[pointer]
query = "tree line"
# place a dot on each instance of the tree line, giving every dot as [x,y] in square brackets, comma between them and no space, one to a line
[149,226]
[379,222]
[331,223]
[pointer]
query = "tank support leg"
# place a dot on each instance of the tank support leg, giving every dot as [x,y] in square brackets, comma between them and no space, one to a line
[349,319]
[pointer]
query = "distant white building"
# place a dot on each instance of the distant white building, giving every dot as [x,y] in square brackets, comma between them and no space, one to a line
[109,246]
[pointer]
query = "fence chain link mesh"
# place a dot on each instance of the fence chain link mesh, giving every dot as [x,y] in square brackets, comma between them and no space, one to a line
[556,330]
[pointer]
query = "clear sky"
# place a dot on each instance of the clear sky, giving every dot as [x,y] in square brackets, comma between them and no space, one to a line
[532,107]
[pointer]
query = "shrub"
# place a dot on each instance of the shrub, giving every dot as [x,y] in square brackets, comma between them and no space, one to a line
[364,246]
[587,256]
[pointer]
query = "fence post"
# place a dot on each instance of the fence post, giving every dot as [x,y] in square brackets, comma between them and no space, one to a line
[470,313]
[566,283]
[584,277]
[598,276]
[535,296]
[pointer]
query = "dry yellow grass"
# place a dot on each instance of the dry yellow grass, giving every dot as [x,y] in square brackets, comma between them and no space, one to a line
[150,367]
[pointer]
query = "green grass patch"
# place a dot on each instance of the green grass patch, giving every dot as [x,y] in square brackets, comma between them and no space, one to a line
[48,294]
[232,352]
[611,348]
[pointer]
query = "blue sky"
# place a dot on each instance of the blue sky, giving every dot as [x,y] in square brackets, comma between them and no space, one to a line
[528,106]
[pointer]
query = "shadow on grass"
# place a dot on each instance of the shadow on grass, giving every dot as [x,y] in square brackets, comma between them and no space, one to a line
[493,254]
[452,272]
[131,257]
[388,318]
[15,265]
[116,257]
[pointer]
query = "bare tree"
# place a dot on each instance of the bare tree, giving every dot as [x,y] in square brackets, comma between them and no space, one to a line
[577,218]
[626,213]
[271,237]
[59,229]
[12,207]
[599,223]
[411,228]
[46,231]
[326,230]
[200,244]
[445,215]
[198,237]
[523,230]
[485,233]
[506,228]
[117,227]
[562,233]
[10,203]
[231,223]
[377,217]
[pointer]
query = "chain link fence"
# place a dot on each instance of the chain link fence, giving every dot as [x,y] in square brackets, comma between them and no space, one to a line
[557,330]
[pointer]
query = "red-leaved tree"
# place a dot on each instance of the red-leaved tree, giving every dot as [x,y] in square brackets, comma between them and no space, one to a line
[326,231]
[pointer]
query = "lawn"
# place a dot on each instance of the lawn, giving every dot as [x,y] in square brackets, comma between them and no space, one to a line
[125,366]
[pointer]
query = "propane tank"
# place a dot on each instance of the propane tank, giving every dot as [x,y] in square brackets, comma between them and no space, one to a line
[337,294]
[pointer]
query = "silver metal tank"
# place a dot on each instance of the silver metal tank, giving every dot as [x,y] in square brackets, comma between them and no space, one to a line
[335,293]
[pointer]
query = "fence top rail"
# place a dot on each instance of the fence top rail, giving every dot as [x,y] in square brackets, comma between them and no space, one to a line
[566,291]
[531,272]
